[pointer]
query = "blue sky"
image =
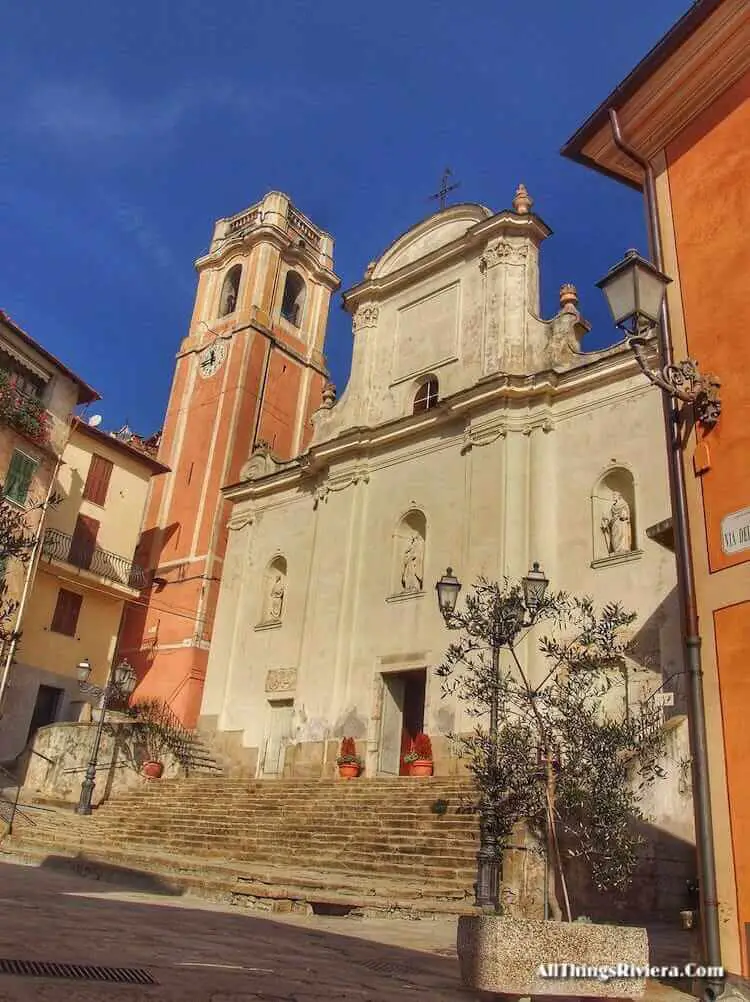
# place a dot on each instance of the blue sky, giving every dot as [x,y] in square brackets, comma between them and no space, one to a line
[129,128]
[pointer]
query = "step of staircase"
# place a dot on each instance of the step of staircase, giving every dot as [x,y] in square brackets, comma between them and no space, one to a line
[364,846]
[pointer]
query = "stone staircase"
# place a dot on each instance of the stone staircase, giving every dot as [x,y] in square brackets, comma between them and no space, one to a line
[379,846]
[200,760]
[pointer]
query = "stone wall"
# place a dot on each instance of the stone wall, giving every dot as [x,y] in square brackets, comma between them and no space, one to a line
[55,766]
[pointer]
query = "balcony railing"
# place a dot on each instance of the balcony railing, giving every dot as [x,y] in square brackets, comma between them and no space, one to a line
[300,224]
[240,222]
[80,553]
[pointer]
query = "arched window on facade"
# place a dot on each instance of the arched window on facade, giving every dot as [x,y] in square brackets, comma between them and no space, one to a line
[293,300]
[230,291]
[427,396]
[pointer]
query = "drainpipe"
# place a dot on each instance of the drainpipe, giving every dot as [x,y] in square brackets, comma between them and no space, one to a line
[262,392]
[33,561]
[706,856]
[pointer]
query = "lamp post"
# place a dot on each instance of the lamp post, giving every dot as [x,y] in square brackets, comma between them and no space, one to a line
[509,616]
[634,290]
[121,680]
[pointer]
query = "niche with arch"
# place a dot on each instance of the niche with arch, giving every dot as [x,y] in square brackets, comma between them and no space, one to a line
[408,565]
[293,300]
[614,516]
[427,395]
[274,591]
[230,290]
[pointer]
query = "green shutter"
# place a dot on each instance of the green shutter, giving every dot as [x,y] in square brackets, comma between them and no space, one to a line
[18,477]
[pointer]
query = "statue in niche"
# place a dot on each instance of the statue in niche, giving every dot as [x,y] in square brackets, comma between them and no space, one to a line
[617,526]
[231,301]
[412,573]
[276,598]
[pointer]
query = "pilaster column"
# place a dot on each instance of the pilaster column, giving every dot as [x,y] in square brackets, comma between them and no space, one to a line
[543,542]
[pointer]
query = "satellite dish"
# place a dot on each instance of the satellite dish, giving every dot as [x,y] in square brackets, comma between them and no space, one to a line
[95,420]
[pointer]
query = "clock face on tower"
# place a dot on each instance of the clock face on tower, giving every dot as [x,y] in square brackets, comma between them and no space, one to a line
[210,359]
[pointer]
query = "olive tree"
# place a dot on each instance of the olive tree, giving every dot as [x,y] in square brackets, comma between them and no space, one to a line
[564,757]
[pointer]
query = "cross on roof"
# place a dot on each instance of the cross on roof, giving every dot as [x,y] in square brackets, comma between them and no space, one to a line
[442,194]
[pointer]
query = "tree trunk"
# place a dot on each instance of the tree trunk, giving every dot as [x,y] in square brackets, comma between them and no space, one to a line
[554,863]
[555,911]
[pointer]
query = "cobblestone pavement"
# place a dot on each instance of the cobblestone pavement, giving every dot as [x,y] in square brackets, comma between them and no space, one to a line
[201,951]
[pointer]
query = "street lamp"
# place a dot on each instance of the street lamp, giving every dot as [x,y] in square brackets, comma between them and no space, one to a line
[121,681]
[510,614]
[634,289]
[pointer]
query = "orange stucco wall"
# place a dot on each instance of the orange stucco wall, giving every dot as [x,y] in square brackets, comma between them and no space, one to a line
[708,171]
[732,648]
[709,182]
[185,530]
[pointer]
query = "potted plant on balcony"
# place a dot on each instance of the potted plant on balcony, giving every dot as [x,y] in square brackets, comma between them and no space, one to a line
[23,412]
[349,763]
[419,757]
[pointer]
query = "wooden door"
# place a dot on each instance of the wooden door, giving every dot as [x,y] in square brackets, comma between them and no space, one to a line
[391,725]
[279,732]
[83,543]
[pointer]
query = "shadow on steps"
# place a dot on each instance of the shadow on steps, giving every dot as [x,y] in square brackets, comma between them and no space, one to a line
[121,876]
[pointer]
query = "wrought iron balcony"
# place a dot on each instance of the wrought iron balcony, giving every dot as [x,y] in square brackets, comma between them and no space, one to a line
[80,553]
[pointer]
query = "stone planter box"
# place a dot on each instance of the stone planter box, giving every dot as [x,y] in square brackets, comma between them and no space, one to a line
[505,955]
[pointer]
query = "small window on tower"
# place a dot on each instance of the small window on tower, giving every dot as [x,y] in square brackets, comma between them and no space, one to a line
[293,301]
[426,396]
[230,290]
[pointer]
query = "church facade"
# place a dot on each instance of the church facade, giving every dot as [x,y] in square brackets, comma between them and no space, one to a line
[473,434]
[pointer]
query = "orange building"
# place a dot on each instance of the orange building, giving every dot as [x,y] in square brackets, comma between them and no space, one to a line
[685,112]
[250,371]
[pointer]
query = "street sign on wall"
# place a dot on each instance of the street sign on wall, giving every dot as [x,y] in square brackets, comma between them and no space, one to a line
[735,532]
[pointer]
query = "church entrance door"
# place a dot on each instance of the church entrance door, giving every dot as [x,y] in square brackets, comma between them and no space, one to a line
[279,732]
[402,718]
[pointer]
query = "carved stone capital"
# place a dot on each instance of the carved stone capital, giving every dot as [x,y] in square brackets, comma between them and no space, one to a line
[240,521]
[503,251]
[281,679]
[482,436]
[334,485]
[366,316]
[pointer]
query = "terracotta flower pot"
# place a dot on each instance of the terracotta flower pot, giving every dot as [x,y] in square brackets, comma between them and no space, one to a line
[421,767]
[349,771]
[152,770]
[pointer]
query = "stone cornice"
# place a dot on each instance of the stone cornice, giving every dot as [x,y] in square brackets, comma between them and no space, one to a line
[191,346]
[611,366]
[246,240]
[692,66]
[503,224]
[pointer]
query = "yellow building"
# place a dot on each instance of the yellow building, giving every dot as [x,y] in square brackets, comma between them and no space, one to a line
[38,395]
[86,573]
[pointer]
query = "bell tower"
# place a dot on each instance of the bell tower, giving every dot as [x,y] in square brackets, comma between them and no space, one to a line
[250,370]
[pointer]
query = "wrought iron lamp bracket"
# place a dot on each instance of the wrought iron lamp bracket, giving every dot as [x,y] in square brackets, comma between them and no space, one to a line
[683,381]
[103,692]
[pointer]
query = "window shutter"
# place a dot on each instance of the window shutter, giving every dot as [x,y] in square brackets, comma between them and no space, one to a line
[18,477]
[83,543]
[97,481]
[67,611]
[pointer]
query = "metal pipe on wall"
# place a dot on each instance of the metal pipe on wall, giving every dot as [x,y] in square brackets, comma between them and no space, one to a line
[705,850]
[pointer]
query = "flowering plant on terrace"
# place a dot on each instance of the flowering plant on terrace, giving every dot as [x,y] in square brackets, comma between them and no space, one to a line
[23,412]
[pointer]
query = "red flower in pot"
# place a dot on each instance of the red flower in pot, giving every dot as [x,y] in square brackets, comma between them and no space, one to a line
[419,758]
[349,763]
